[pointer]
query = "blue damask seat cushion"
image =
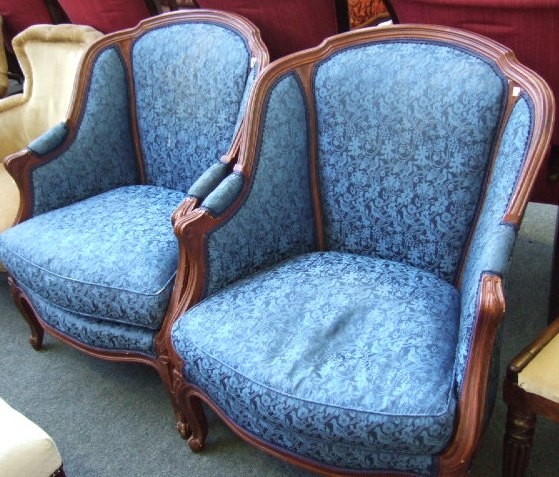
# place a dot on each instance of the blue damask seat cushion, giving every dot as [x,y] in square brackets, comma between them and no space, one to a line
[111,257]
[341,358]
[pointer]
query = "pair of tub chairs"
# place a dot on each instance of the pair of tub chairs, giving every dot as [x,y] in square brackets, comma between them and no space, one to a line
[316,250]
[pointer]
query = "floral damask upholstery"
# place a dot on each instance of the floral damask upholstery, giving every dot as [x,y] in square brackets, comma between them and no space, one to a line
[343,317]
[94,258]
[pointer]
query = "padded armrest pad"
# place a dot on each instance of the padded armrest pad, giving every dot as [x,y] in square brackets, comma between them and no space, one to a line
[224,195]
[48,141]
[208,181]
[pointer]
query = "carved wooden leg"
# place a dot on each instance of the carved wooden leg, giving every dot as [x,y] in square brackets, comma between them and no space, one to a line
[22,304]
[517,444]
[165,371]
[182,425]
[198,422]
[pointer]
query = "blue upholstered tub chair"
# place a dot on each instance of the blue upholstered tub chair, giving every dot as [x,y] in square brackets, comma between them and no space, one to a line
[346,279]
[153,126]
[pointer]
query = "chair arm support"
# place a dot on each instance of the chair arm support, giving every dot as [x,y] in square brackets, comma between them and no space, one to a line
[489,308]
[489,256]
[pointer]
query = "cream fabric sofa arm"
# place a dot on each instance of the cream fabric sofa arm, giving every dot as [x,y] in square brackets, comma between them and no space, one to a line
[3,65]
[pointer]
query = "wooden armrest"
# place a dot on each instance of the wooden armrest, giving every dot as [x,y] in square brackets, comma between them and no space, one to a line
[522,360]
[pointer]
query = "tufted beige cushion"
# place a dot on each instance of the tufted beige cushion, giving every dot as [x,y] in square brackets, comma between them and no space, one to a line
[541,376]
[3,65]
[25,449]
[49,56]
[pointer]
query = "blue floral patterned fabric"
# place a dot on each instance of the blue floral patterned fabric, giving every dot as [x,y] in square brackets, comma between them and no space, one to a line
[101,334]
[111,257]
[404,150]
[189,81]
[493,240]
[101,156]
[276,221]
[332,356]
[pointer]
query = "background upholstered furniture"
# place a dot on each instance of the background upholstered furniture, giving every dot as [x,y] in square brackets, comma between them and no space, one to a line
[528,27]
[94,258]
[531,388]
[49,56]
[22,14]
[26,450]
[364,13]
[350,269]
[108,15]
[104,15]
[3,65]
[289,25]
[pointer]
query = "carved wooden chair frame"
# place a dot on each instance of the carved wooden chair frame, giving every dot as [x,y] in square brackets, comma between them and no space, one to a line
[21,165]
[193,228]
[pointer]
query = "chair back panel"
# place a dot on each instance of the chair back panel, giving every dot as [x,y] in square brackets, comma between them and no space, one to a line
[404,152]
[189,81]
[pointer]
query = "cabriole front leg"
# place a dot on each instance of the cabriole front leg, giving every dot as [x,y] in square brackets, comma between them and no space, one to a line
[25,308]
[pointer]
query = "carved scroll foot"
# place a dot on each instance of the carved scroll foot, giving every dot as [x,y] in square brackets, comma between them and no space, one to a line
[182,426]
[198,422]
[519,436]
[195,445]
[25,308]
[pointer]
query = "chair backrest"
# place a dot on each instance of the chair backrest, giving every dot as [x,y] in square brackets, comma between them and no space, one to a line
[50,57]
[289,25]
[528,27]
[180,83]
[402,131]
[403,152]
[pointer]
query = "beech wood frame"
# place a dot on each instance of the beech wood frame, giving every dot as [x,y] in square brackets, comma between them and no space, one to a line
[523,407]
[193,228]
[21,165]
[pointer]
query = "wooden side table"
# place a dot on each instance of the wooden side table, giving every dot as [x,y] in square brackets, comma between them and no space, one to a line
[531,388]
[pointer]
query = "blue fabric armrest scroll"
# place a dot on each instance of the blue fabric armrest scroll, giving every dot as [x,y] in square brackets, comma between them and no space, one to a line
[50,140]
[224,195]
[208,181]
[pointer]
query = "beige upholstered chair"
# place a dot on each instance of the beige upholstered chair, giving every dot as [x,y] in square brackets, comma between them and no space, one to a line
[25,448]
[3,65]
[49,56]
